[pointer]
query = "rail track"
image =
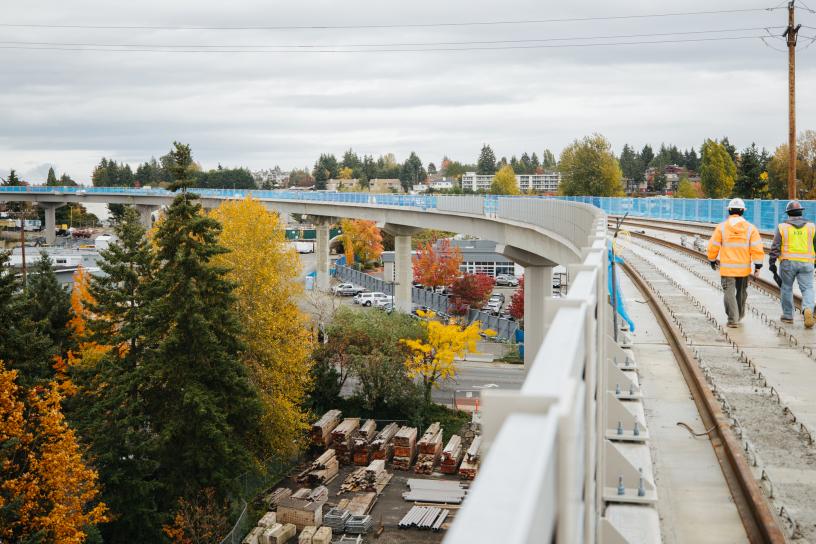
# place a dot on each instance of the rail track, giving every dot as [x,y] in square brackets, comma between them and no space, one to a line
[680,228]
[760,523]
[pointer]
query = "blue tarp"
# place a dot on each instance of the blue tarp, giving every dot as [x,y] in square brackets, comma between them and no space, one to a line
[621,304]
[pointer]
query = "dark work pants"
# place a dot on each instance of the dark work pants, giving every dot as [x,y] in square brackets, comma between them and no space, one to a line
[735,293]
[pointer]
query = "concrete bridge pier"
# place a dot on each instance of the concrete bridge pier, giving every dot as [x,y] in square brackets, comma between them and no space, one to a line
[322,225]
[403,264]
[538,277]
[146,214]
[50,220]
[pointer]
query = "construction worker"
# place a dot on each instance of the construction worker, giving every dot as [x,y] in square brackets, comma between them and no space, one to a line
[793,246]
[733,247]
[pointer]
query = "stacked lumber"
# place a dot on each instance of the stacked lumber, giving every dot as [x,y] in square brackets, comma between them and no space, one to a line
[307,535]
[430,447]
[470,464]
[278,534]
[451,455]
[404,448]
[299,512]
[322,428]
[342,436]
[319,494]
[362,503]
[322,470]
[268,520]
[301,494]
[361,444]
[254,536]
[382,447]
[322,536]
[272,499]
[374,477]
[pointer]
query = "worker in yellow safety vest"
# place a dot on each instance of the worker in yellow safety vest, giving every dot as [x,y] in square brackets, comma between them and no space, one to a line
[734,246]
[793,247]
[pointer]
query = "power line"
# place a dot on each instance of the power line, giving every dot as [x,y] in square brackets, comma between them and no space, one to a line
[405,44]
[387,26]
[409,50]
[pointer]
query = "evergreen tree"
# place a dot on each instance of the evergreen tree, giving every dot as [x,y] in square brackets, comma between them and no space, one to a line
[630,163]
[202,409]
[412,172]
[52,177]
[12,180]
[729,148]
[487,161]
[526,165]
[692,161]
[325,168]
[431,169]
[49,304]
[534,162]
[23,347]
[110,412]
[750,181]
[66,181]
[646,155]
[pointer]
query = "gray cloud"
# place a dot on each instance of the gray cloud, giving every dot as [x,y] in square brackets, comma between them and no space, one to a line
[70,108]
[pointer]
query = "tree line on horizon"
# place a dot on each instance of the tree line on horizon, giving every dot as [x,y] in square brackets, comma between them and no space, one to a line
[756,172]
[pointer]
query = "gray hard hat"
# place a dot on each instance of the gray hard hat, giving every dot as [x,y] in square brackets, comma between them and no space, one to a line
[793,206]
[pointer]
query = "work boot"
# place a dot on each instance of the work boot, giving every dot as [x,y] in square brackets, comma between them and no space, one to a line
[788,320]
[809,322]
[733,325]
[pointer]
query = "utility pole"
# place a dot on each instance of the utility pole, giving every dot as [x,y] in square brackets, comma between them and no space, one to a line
[22,246]
[791,33]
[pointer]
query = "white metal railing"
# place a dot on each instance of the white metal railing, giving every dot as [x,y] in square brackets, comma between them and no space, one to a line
[539,481]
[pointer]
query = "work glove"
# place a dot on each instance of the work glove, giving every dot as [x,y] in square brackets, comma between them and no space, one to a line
[713,265]
[758,267]
[772,267]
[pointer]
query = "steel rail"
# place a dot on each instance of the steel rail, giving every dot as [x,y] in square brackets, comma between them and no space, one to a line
[761,526]
[762,283]
[658,224]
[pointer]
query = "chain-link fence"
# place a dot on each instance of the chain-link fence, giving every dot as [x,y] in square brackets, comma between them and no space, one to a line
[249,485]
[505,328]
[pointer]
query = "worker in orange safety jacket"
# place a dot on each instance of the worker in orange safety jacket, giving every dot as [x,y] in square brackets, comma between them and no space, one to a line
[734,246]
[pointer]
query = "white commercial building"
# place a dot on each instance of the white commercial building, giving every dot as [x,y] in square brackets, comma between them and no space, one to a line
[537,183]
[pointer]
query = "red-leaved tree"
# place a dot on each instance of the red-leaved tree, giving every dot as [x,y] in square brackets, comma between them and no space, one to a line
[517,302]
[437,266]
[470,291]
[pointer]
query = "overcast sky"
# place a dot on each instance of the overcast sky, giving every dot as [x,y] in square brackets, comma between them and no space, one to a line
[70,108]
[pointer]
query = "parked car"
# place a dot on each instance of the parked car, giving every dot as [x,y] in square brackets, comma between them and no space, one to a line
[373,299]
[388,307]
[496,297]
[507,280]
[347,290]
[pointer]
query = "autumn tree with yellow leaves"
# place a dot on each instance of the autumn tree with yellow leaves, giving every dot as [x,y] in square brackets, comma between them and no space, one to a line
[47,492]
[434,359]
[276,337]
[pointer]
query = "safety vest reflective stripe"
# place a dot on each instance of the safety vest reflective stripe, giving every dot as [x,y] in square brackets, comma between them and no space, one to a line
[735,244]
[736,265]
[801,247]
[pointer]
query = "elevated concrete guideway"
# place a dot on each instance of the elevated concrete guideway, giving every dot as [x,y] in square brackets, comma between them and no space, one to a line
[549,470]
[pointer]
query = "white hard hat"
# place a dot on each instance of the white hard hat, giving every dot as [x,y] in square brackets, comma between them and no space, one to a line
[736,204]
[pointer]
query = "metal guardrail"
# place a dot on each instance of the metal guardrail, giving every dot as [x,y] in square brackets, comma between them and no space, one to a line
[505,328]
[542,477]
